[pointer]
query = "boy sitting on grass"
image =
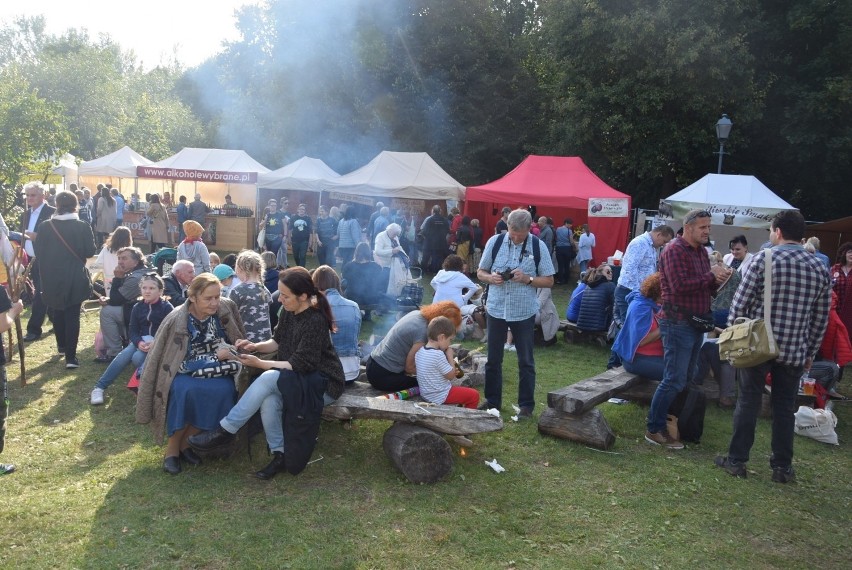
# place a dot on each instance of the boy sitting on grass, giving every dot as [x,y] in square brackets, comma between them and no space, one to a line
[435,367]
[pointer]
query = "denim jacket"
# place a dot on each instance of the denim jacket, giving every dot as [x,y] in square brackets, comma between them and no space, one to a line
[347,317]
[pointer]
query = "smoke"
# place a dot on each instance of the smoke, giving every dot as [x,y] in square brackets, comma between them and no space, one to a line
[330,79]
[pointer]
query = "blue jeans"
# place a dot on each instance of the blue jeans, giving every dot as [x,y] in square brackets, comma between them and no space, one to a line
[785,387]
[619,313]
[583,265]
[681,346]
[522,334]
[724,373]
[263,395]
[130,354]
[650,367]
[300,252]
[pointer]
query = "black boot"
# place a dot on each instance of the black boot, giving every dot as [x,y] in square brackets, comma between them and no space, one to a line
[277,465]
[207,440]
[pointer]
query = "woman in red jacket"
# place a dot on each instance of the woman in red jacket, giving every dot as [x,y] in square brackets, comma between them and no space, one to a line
[841,278]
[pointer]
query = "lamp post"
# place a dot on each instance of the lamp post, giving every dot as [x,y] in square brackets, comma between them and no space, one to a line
[723,131]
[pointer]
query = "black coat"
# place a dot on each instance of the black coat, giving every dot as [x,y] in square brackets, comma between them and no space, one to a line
[65,281]
[45,214]
[172,289]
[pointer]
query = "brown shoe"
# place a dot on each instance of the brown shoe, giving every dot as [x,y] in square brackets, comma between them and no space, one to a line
[663,438]
[727,403]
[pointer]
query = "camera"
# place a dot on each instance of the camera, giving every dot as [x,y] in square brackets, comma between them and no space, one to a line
[506,275]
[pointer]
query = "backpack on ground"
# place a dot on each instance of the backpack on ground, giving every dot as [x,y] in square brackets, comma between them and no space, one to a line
[689,407]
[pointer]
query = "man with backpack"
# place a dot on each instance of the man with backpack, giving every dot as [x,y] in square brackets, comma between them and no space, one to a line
[514,264]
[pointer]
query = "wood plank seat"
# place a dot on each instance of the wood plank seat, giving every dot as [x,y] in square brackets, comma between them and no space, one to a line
[572,334]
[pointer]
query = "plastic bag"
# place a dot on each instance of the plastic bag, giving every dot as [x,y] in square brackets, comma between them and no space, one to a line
[817,424]
[100,345]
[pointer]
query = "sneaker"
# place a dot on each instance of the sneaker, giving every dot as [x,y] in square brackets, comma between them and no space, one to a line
[485,405]
[727,403]
[783,475]
[733,468]
[525,413]
[510,347]
[60,351]
[97,397]
[663,438]
[72,363]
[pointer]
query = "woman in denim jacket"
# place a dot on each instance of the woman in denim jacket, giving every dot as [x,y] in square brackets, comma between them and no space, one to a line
[347,317]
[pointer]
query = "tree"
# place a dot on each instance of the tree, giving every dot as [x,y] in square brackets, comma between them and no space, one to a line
[32,133]
[640,84]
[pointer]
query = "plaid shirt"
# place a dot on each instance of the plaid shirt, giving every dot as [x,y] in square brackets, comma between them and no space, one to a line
[801,298]
[686,279]
[514,301]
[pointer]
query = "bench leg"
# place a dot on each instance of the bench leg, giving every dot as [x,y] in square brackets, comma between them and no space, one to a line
[421,454]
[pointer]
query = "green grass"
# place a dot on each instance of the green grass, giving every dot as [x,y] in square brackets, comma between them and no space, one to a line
[90,493]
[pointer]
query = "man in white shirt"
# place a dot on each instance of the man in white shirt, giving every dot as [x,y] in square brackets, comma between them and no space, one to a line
[37,211]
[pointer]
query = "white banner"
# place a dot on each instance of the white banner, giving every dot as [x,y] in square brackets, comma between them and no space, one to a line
[722,214]
[608,207]
[351,198]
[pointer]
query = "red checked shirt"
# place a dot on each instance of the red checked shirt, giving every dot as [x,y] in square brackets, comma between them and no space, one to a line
[686,280]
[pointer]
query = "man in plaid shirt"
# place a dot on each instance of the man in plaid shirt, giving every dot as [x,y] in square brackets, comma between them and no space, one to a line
[800,301]
[688,281]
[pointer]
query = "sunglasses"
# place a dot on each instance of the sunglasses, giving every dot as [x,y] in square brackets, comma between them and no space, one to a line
[695,215]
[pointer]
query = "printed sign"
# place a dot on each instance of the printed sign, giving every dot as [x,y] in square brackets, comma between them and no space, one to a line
[197,175]
[351,198]
[608,207]
[722,214]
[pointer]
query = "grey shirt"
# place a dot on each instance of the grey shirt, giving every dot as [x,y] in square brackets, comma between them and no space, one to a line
[393,350]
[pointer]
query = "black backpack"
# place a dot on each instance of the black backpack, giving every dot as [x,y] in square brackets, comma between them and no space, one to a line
[689,407]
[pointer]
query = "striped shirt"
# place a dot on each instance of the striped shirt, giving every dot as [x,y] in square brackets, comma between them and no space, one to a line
[801,298]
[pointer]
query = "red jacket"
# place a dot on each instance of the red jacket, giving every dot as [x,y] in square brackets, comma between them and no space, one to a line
[835,344]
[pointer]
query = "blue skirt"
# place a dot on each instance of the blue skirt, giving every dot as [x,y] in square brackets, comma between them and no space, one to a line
[199,402]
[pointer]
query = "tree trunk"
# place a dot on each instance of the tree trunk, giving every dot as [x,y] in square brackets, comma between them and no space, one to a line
[589,428]
[422,455]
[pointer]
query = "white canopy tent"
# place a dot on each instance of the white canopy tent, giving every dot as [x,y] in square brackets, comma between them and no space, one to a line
[306,174]
[739,204]
[119,169]
[411,175]
[66,167]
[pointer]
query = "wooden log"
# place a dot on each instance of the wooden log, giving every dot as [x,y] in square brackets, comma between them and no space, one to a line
[450,420]
[589,428]
[643,392]
[585,395]
[422,455]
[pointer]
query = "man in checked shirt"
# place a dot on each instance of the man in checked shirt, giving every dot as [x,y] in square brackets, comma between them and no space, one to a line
[688,282]
[800,301]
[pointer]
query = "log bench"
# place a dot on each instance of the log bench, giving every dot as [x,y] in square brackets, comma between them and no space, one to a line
[415,442]
[574,335]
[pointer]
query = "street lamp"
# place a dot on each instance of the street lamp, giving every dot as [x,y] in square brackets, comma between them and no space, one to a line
[723,131]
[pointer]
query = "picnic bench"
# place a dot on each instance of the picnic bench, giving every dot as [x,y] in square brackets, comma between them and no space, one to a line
[573,335]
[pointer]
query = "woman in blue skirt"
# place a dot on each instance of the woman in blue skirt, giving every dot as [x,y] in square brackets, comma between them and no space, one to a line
[188,381]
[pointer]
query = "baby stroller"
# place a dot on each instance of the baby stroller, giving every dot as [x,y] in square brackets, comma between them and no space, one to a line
[411,295]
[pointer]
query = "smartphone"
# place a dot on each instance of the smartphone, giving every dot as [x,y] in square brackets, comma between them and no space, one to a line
[233,351]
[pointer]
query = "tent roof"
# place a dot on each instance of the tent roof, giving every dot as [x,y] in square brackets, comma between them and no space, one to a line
[838,225]
[121,163]
[732,190]
[215,159]
[558,181]
[399,175]
[304,174]
[65,165]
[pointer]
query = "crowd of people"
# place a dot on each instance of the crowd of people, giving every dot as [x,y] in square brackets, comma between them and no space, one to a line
[187,334]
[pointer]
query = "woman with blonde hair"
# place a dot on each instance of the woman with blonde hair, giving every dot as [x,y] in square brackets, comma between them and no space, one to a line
[251,296]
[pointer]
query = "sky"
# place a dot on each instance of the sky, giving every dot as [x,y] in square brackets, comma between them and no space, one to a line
[154,29]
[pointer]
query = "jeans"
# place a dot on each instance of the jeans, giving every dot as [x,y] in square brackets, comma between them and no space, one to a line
[300,252]
[564,256]
[785,387]
[583,265]
[66,329]
[724,373]
[273,243]
[263,395]
[522,334]
[125,357]
[681,345]
[620,311]
[325,253]
[650,367]
[346,254]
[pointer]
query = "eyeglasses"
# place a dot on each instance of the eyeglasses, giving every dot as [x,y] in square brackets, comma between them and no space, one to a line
[695,215]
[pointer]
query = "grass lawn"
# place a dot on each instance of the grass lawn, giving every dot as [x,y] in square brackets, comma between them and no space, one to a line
[89,492]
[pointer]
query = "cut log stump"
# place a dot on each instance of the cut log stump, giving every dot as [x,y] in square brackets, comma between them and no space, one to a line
[589,428]
[421,454]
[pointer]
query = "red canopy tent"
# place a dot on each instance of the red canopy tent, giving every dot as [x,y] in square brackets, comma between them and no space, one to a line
[559,187]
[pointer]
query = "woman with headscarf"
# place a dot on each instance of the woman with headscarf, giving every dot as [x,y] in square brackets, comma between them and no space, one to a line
[193,249]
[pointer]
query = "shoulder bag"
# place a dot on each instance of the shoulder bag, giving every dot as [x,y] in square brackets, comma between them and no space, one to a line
[749,342]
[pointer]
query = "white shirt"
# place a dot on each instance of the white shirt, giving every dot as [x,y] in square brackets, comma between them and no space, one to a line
[31,228]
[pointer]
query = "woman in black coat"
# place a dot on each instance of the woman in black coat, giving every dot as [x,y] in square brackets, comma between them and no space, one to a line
[62,246]
[597,303]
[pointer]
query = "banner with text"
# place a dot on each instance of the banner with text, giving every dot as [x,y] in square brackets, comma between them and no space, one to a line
[608,207]
[197,175]
[722,214]
[351,198]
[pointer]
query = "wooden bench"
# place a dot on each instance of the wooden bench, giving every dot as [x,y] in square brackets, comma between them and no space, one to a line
[573,335]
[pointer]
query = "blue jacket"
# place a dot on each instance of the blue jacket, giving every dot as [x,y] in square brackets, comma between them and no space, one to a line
[145,319]
[596,306]
[573,311]
[347,317]
[637,324]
